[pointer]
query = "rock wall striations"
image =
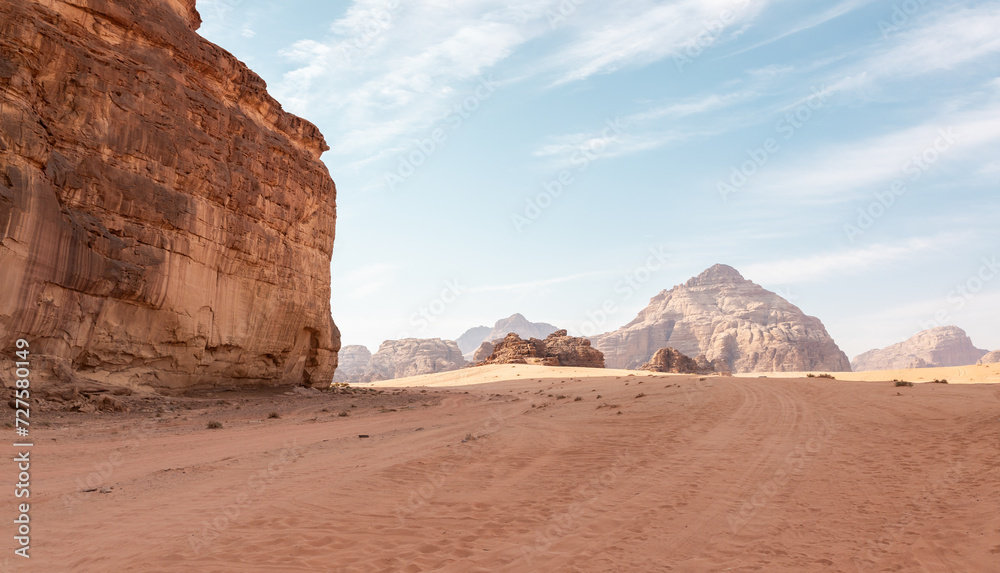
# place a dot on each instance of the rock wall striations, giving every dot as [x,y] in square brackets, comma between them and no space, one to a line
[737,325]
[401,358]
[936,347]
[558,349]
[163,221]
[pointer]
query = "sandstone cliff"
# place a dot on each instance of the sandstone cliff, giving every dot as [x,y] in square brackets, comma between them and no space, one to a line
[162,221]
[735,323]
[942,346]
[412,357]
[352,362]
[558,349]
[991,358]
[516,323]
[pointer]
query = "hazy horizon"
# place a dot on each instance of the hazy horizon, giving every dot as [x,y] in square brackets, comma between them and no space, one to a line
[842,154]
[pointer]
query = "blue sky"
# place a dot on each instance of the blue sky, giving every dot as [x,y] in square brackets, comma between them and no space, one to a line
[570,159]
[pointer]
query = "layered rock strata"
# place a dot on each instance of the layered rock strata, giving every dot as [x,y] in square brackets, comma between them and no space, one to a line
[163,221]
[558,349]
[936,347]
[738,325]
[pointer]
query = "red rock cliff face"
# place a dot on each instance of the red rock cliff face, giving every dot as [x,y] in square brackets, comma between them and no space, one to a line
[162,220]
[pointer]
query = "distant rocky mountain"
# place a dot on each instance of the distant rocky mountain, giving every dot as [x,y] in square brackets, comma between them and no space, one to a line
[558,349]
[730,320]
[941,346]
[516,323]
[991,358]
[353,360]
[399,359]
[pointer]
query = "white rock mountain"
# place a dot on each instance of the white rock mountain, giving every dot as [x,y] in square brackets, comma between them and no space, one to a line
[937,347]
[726,318]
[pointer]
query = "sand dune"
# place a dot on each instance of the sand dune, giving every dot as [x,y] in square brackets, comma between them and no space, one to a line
[973,374]
[552,470]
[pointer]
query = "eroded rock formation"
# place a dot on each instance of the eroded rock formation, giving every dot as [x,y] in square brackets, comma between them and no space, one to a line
[516,323]
[558,349]
[991,358]
[671,361]
[482,353]
[352,361]
[941,346]
[412,357]
[736,324]
[162,221]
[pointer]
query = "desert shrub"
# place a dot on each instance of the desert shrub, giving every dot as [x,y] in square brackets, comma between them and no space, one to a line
[827,376]
[942,381]
[273,415]
[578,399]
[215,425]
[903,383]
[343,414]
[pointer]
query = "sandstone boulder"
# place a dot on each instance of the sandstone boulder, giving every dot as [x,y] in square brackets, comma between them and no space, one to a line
[937,347]
[163,221]
[738,326]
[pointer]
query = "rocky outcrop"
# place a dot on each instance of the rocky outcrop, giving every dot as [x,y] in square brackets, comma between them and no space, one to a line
[671,361]
[406,357]
[162,221]
[558,349]
[471,339]
[991,358]
[482,353]
[937,347]
[738,326]
[352,362]
[516,323]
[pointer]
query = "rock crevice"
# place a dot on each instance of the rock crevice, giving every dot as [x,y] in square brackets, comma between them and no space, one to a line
[163,221]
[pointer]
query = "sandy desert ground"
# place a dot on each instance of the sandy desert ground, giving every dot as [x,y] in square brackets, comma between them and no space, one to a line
[526,469]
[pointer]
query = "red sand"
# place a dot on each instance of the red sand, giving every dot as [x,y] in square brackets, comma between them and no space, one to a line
[722,474]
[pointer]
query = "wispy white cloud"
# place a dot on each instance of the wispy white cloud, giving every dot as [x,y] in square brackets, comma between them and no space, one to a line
[535,285]
[846,262]
[842,172]
[810,22]
[608,37]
